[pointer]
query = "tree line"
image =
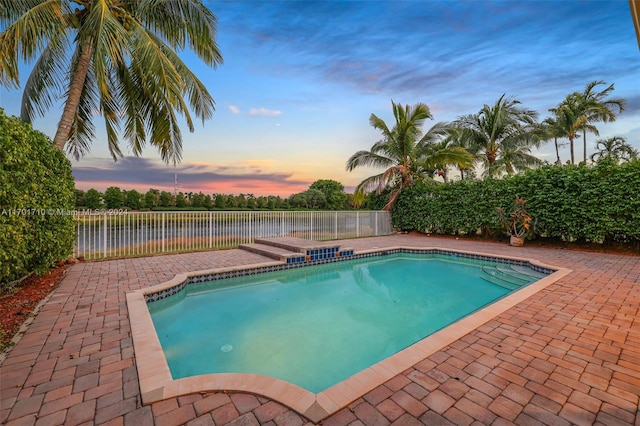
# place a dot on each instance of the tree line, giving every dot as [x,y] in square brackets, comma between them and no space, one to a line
[323,194]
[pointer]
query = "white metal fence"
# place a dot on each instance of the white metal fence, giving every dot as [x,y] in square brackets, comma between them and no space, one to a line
[116,233]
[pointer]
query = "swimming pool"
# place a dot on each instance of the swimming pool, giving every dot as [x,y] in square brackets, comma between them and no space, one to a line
[319,325]
[160,376]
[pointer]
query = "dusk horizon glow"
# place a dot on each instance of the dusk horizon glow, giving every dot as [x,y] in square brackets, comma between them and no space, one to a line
[301,78]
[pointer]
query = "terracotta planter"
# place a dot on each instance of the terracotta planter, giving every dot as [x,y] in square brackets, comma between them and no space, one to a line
[516,241]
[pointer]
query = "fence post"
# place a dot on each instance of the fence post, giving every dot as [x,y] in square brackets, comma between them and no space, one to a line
[104,236]
[77,243]
[335,237]
[375,217]
[162,231]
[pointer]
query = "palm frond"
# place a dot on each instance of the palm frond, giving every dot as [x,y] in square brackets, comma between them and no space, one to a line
[131,95]
[182,23]
[12,10]
[157,78]
[369,184]
[379,124]
[393,175]
[199,98]
[409,121]
[165,134]
[110,109]
[30,26]
[367,159]
[454,156]
[157,72]
[109,38]
[393,197]
[82,128]
[615,147]
[440,130]
[44,83]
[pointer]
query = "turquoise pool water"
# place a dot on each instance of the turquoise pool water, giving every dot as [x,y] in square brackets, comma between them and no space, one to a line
[315,326]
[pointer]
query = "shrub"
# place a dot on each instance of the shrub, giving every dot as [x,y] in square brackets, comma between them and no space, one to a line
[93,199]
[36,198]
[113,198]
[516,222]
[459,208]
[598,203]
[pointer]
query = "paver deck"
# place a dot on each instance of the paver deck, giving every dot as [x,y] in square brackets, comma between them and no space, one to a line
[569,354]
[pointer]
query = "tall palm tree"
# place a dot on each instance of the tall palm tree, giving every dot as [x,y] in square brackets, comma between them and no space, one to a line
[569,119]
[114,58]
[515,155]
[496,126]
[458,136]
[405,154]
[396,152]
[550,129]
[597,108]
[615,148]
[441,147]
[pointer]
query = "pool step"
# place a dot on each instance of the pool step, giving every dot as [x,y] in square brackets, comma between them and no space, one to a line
[517,276]
[274,252]
[505,277]
[499,282]
[528,271]
[270,251]
[296,250]
[296,244]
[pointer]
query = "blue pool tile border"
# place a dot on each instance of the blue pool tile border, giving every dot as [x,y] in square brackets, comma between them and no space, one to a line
[324,256]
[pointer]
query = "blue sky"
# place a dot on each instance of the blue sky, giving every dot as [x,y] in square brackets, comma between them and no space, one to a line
[301,78]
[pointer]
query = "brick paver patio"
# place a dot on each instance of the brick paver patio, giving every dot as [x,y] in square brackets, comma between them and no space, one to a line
[570,354]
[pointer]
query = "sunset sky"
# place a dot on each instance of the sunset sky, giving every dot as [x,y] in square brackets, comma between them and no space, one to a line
[301,78]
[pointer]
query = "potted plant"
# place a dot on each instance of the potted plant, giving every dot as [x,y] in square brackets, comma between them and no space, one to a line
[517,223]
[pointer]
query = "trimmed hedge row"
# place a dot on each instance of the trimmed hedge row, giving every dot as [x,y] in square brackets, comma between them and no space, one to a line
[582,203]
[36,194]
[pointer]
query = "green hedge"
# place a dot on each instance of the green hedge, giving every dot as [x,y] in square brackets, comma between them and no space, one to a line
[36,196]
[598,203]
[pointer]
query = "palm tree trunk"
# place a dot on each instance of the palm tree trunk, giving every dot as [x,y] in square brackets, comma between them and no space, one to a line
[571,149]
[510,169]
[491,159]
[584,142]
[555,141]
[73,100]
[461,173]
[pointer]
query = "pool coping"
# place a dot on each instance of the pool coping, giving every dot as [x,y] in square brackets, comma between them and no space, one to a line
[156,382]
